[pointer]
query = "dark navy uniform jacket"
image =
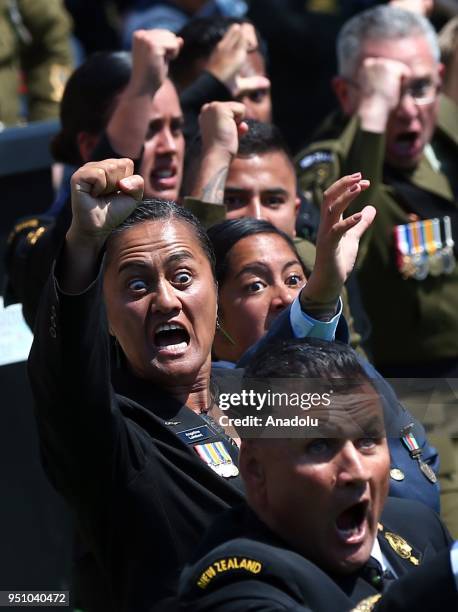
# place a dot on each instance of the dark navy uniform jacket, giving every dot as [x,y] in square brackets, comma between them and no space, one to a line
[415,484]
[245,566]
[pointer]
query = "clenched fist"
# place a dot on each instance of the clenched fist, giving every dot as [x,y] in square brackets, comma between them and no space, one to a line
[104,193]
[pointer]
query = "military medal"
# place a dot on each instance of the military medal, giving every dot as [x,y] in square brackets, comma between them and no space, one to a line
[404,260]
[414,449]
[434,246]
[217,458]
[420,261]
[448,258]
[427,471]
[430,247]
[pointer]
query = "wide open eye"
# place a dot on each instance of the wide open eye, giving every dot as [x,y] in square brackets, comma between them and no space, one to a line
[255,286]
[137,285]
[294,280]
[182,278]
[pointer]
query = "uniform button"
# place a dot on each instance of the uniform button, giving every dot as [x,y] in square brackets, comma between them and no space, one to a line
[53,320]
[53,310]
[397,474]
[52,332]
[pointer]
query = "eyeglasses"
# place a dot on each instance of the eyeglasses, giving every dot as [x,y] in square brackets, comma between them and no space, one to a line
[423,91]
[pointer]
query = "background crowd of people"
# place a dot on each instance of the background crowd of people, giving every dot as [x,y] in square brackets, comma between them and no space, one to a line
[243,189]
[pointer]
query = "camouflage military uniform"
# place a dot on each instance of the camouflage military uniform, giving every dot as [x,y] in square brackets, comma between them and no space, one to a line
[34,40]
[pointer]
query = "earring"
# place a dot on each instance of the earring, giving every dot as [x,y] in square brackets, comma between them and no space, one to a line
[221,329]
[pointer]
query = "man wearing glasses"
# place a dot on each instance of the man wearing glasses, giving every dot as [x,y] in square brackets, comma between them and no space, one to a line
[397,130]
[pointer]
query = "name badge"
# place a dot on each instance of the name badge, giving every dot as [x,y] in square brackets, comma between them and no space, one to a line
[196,434]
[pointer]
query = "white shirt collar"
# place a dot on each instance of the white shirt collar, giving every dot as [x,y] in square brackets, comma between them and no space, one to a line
[380,557]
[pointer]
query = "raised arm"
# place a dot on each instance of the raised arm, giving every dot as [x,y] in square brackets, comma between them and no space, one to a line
[69,366]
[152,51]
[221,124]
[103,194]
[337,244]
[377,91]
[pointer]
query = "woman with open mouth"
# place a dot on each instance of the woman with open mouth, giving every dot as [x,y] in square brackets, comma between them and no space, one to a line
[134,456]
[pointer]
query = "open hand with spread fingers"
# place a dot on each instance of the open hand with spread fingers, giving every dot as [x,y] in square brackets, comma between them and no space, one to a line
[338,239]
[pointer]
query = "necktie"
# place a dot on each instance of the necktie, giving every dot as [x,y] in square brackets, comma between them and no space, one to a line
[373,573]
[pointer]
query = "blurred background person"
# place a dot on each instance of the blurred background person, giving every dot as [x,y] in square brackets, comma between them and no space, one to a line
[221,60]
[448,43]
[114,105]
[97,25]
[35,59]
[175,14]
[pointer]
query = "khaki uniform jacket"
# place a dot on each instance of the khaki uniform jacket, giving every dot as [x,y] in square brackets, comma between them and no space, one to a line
[413,322]
[34,40]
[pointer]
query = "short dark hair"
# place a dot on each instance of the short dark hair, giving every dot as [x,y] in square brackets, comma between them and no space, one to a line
[305,363]
[307,358]
[155,209]
[200,36]
[87,102]
[224,236]
[262,138]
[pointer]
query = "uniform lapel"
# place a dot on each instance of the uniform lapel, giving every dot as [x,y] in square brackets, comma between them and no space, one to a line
[448,118]
[425,177]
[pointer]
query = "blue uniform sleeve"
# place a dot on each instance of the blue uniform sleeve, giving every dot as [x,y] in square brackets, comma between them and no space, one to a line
[305,326]
[454,561]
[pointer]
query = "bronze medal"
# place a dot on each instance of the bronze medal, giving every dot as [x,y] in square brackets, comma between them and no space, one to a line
[403,255]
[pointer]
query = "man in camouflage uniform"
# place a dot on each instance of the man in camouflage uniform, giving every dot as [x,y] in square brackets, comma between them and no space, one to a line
[403,137]
[34,40]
